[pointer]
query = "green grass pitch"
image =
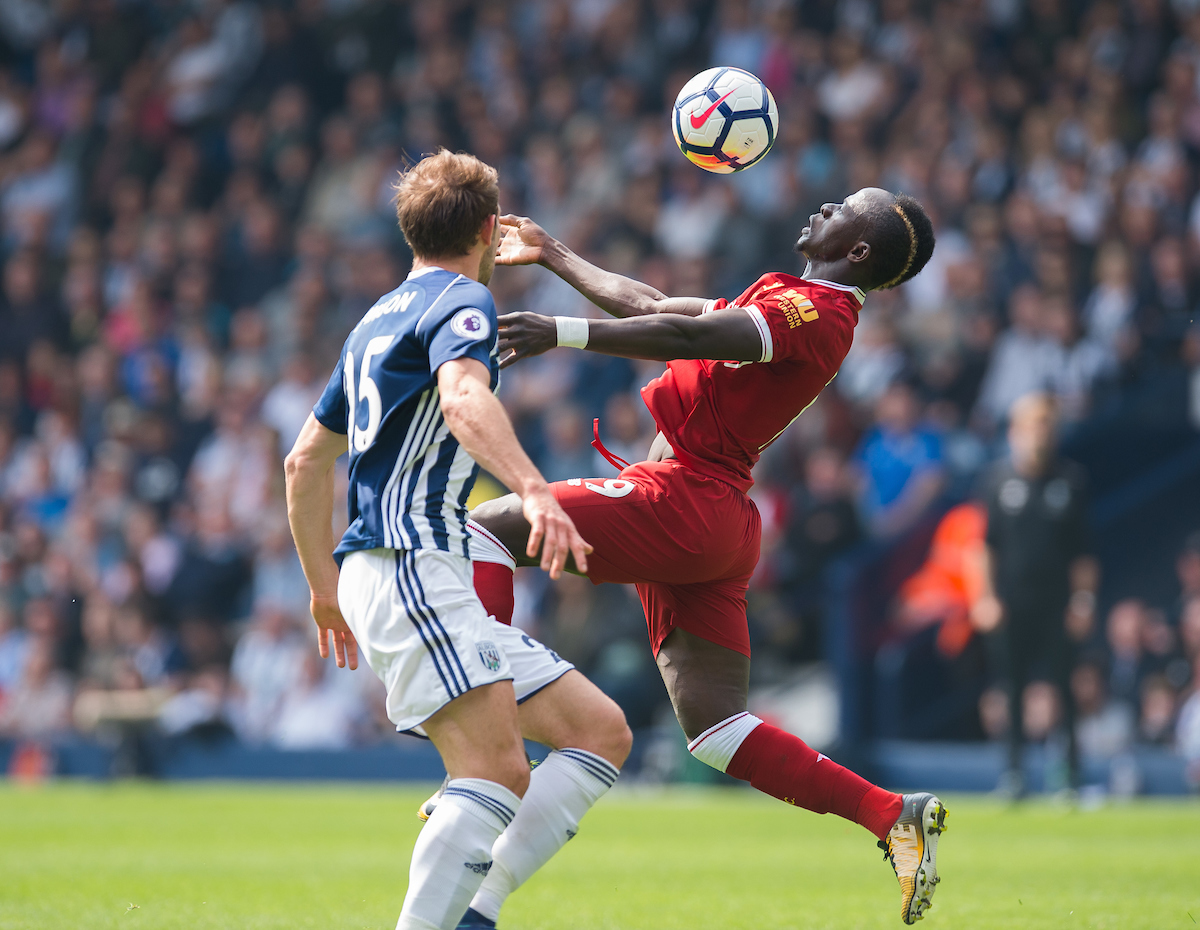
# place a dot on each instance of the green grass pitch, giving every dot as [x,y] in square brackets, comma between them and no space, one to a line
[203,857]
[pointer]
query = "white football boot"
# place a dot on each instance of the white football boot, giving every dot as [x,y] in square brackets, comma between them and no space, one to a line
[911,847]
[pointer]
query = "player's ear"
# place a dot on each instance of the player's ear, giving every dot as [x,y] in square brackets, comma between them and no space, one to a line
[859,252]
[490,226]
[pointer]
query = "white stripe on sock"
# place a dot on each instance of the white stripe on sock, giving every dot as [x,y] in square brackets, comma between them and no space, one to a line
[717,745]
[561,790]
[485,547]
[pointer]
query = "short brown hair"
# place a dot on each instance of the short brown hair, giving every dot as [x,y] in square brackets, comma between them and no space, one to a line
[443,201]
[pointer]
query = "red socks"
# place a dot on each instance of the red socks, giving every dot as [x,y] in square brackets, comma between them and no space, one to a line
[494,585]
[784,767]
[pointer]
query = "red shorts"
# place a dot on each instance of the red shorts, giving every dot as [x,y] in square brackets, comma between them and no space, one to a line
[689,543]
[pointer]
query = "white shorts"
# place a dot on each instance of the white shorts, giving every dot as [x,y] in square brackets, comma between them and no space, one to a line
[424,632]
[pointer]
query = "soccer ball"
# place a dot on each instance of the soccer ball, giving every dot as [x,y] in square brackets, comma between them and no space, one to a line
[724,120]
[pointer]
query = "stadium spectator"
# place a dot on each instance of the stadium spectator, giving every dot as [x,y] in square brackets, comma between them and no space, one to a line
[1077,363]
[1021,361]
[316,712]
[39,705]
[821,523]
[946,588]
[1104,727]
[1187,571]
[14,650]
[266,664]
[1187,732]
[1126,635]
[1157,713]
[899,466]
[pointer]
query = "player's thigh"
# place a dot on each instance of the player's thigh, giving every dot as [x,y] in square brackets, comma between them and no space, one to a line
[707,683]
[478,735]
[714,611]
[504,519]
[703,649]
[606,513]
[421,628]
[573,713]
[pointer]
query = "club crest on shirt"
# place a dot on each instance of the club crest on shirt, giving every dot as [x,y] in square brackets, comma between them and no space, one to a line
[489,655]
[470,324]
[796,308]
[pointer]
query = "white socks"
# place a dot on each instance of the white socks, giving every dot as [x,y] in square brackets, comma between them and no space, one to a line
[453,853]
[561,790]
[717,745]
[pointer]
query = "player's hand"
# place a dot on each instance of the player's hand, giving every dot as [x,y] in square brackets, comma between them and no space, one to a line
[523,335]
[521,241]
[329,620]
[551,531]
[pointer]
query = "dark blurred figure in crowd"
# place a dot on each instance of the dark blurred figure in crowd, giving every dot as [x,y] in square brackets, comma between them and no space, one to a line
[1039,592]
[823,523]
[1187,570]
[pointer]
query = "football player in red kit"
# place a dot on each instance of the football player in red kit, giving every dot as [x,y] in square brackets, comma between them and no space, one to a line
[680,525]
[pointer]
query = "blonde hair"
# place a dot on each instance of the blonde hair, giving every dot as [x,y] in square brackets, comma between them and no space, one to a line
[912,248]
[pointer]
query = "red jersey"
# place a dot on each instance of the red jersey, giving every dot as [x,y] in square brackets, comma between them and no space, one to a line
[719,416]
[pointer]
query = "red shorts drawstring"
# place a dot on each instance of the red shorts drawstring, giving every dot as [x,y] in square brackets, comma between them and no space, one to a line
[614,460]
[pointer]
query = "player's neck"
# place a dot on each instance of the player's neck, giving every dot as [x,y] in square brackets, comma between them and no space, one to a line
[465,265]
[839,272]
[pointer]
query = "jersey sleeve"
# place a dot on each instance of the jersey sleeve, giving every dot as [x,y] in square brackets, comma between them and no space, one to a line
[330,409]
[755,315]
[791,327]
[465,328]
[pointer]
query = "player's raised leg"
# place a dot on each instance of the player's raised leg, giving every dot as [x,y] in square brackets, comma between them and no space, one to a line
[591,740]
[708,685]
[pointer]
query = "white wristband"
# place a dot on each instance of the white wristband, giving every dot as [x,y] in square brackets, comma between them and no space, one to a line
[573,331]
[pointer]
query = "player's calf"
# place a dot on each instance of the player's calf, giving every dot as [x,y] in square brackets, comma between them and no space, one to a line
[591,740]
[478,737]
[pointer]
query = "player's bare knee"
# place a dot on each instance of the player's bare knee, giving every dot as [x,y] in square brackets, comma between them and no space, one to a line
[600,728]
[512,772]
[610,736]
[698,710]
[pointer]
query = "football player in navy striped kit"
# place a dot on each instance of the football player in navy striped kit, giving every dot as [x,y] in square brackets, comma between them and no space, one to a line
[412,400]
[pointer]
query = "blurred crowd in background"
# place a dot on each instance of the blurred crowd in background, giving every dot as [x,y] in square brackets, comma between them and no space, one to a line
[195,209]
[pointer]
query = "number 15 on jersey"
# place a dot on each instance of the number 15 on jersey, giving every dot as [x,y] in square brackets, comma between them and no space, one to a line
[359,440]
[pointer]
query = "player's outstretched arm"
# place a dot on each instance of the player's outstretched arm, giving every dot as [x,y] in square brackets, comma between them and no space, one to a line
[481,426]
[725,335]
[524,242]
[309,472]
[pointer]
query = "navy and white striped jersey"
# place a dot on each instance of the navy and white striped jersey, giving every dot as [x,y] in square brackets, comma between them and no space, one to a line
[409,478]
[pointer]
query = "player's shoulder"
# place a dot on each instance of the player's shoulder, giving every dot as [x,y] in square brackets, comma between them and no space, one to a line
[767,288]
[454,297]
[467,292]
